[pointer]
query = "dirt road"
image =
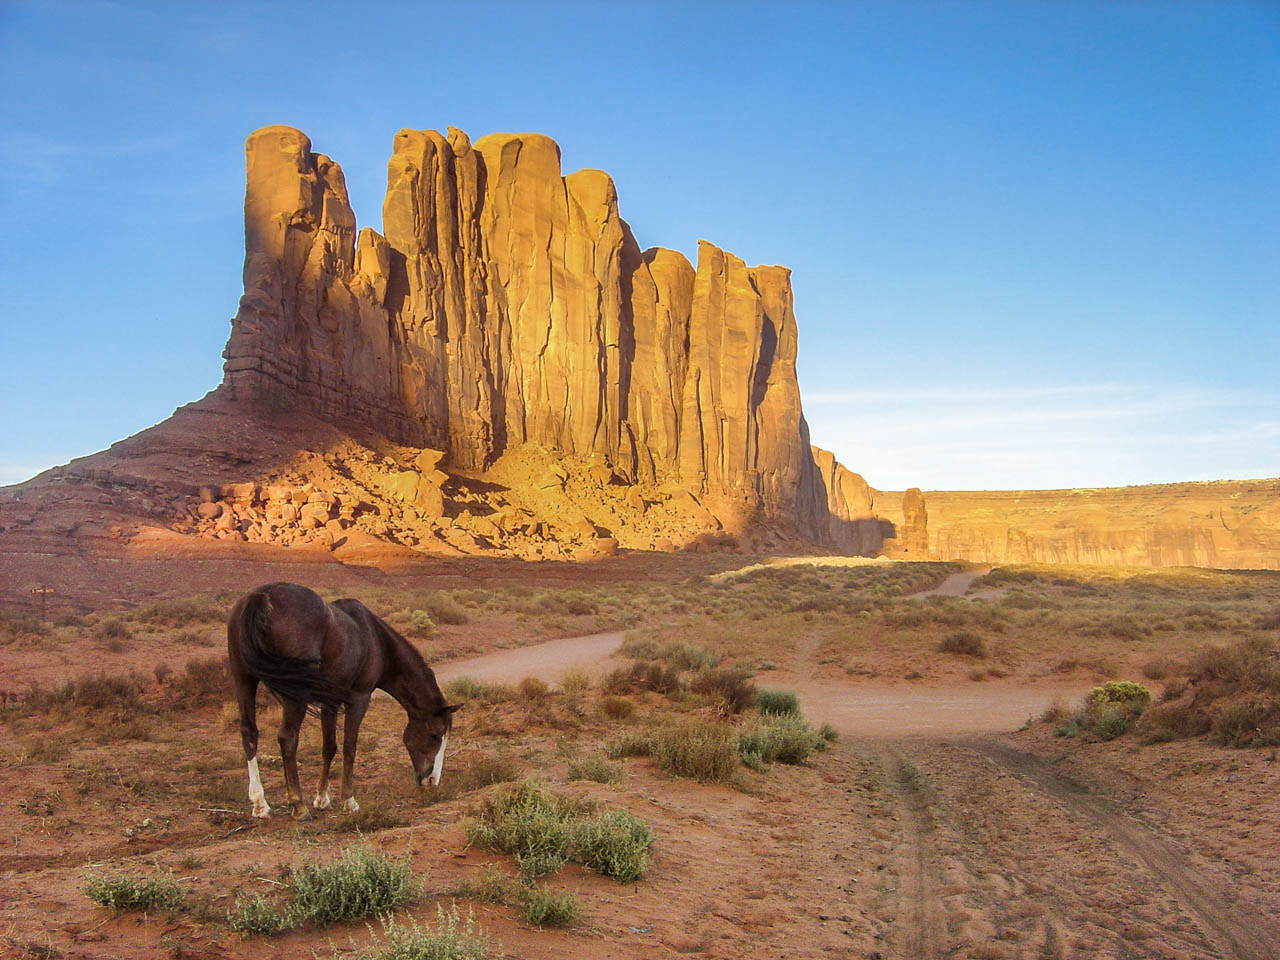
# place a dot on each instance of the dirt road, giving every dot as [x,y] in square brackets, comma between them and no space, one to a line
[981,849]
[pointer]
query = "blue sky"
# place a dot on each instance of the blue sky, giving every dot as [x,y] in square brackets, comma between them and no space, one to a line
[1034,244]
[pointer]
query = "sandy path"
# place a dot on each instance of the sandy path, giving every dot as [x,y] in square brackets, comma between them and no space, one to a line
[547,661]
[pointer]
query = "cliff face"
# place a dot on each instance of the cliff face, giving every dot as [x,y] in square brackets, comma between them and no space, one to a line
[509,305]
[1226,524]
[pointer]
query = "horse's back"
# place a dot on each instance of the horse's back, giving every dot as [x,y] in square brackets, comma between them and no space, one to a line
[295,618]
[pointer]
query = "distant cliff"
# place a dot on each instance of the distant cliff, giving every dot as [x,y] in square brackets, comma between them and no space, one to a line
[1226,524]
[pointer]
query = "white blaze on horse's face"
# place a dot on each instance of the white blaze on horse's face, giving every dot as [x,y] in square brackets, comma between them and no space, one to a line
[438,767]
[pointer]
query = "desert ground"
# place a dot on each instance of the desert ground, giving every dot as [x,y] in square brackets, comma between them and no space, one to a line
[949,791]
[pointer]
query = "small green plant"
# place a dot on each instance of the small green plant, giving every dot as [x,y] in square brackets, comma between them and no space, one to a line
[778,702]
[615,844]
[531,688]
[361,883]
[596,769]
[370,818]
[1113,706]
[461,689]
[121,892]
[491,885]
[450,938]
[255,915]
[542,908]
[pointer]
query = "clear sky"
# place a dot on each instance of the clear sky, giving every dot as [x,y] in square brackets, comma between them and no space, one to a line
[1034,244]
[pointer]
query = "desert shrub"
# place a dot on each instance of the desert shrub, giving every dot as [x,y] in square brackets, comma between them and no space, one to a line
[1134,697]
[1252,720]
[527,821]
[617,708]
[639,648]
[1172,720]
[91,691]
[543,908]
[596,769]
[963,642]
[785,738]
[179,613]
[687,656]
[450,938]
[704,752]
[575,682]
[1127,627]
[730,686]
[531,688]
[1113,706]
[113,628]
[444,609]
[632,744]
[655,675]
[202,681]
[491,885]
[778,701]
[463,689]
[615,843]
[360,883]
[828,733]
[254,914]
[121,892]
[1158,668]
[370,818]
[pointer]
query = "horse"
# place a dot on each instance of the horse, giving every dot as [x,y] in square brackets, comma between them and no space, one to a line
[317,657]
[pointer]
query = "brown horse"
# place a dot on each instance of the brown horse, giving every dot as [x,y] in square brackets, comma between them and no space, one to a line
[313,654]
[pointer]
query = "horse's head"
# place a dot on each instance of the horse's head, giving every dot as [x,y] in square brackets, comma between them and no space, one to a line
[425,739]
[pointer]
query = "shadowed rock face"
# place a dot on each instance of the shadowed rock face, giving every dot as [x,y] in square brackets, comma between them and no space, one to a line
[507,305]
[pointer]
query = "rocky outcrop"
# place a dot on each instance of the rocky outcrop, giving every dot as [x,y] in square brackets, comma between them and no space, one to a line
[507,305]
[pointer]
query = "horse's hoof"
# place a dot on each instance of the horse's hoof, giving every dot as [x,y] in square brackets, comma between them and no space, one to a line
[322,801]
[261,812]
[301,813]
[350,805]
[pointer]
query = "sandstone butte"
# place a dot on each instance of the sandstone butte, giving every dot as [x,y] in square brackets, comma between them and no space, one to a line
[504,371]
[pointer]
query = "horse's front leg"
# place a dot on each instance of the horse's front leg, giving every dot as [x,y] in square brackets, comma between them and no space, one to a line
[329,736]
[294,714]
[246,699]
[350,731]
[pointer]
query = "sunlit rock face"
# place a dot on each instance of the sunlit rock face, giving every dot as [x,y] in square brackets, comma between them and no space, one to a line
[505,305]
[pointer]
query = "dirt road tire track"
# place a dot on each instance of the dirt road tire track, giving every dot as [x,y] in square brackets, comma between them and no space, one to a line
[1237,930]
[920,881]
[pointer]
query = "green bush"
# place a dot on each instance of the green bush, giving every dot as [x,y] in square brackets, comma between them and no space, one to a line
[121,892]
[617,708]
[444,609]
[696,751]
[596,769]
[615,844]
[361,883]
[1134,697]
[785,739]
[254,914]
[452,938]
[778,702]
[528,822]
[1110,721]
[542,908]
[462,689]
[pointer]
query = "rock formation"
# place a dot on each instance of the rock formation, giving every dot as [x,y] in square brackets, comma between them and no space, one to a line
[508,305]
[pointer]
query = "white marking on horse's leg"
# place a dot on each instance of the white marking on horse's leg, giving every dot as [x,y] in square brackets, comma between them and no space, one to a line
[322,801]
[257,796]
[437,768]
[350,805]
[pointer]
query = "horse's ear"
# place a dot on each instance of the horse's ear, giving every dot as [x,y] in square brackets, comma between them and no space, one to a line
[451,708]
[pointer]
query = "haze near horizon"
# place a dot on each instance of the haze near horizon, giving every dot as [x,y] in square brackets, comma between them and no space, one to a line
[1032,246]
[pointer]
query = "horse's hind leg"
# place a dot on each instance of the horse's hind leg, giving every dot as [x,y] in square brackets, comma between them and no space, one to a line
[246,698]
[329,734]
[294,714]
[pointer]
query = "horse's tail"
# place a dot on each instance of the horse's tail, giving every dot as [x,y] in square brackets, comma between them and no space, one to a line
[289,678]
